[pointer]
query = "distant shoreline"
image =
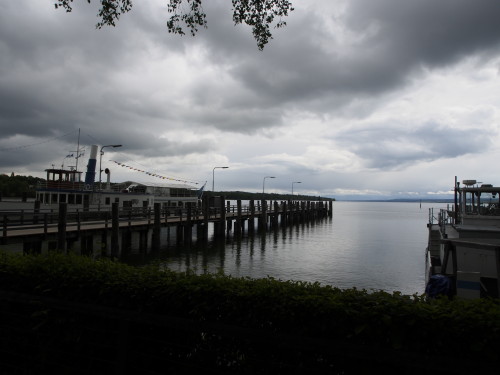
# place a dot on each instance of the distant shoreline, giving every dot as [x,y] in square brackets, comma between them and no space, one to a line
[399,200]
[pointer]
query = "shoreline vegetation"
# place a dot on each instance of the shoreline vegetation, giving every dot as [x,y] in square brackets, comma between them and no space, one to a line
[233,323]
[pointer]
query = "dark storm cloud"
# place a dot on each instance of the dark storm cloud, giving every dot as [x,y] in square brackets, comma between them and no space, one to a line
[428,32]
[57,74]
[392,41]
[391,147]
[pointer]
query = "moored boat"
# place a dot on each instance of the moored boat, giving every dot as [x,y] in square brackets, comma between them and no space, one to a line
[463,253]
[67,186]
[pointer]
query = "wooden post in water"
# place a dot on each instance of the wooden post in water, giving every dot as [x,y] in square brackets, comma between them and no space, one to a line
[263,216]
[251,221]
[238,230]
[330,209]
[61,227]
[155,245]
[115,230]
[284,218]
[221,232]
[276,215]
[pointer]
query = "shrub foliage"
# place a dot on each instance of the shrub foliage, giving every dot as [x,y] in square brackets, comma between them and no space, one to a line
[453,328]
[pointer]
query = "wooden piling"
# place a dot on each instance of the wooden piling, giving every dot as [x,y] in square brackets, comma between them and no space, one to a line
[284,213]
[238,229]
[263,216]
[276,215]
[251,221]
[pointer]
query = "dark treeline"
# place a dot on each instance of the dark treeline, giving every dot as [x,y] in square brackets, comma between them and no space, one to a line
[16,186]
[243,195]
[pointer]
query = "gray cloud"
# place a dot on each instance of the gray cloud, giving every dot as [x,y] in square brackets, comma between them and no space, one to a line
[165,96]
[387,147]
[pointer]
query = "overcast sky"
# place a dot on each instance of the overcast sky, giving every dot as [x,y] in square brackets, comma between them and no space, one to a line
[365,98]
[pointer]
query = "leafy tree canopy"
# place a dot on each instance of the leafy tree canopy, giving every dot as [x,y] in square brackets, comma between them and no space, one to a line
[189,14]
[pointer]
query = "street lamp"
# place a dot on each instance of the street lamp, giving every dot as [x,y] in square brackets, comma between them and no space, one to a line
[100,163]
[295,182]
[213,176]
[263,183]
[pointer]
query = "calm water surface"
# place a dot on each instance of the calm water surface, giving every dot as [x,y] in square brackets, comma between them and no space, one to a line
[368,245]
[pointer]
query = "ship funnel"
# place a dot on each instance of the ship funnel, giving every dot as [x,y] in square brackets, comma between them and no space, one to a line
[90,175]
[108,181]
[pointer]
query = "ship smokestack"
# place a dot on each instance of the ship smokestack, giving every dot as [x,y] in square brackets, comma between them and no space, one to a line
[108,181]
[90,174]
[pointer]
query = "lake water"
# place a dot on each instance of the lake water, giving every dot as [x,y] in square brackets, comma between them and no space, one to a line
[367,245]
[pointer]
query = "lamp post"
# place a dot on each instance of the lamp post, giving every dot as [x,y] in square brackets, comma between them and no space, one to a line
[263,184]
[100,164]
[213,176]
[295,182]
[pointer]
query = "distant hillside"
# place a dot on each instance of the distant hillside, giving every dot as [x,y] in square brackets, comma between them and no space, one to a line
[243,195]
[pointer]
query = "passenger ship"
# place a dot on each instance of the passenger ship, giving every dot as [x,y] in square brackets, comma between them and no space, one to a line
[463,253]
[66,186]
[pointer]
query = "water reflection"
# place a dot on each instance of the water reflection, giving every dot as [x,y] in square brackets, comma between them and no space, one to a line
[369,245]
[260,254]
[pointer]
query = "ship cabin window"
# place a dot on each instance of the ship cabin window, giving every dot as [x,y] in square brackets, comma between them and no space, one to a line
[117,200]
[108,201]
[62,198]
[79,199]
[71,198]
[54,198]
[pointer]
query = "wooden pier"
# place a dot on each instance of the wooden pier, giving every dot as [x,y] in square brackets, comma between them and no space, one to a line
[38,230]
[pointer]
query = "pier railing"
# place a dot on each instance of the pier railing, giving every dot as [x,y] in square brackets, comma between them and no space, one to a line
[39,221]
[442,217]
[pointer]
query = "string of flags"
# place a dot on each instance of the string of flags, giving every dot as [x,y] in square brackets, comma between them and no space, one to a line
[153,174]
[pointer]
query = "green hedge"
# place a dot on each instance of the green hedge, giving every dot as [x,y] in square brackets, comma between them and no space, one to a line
[456,328]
